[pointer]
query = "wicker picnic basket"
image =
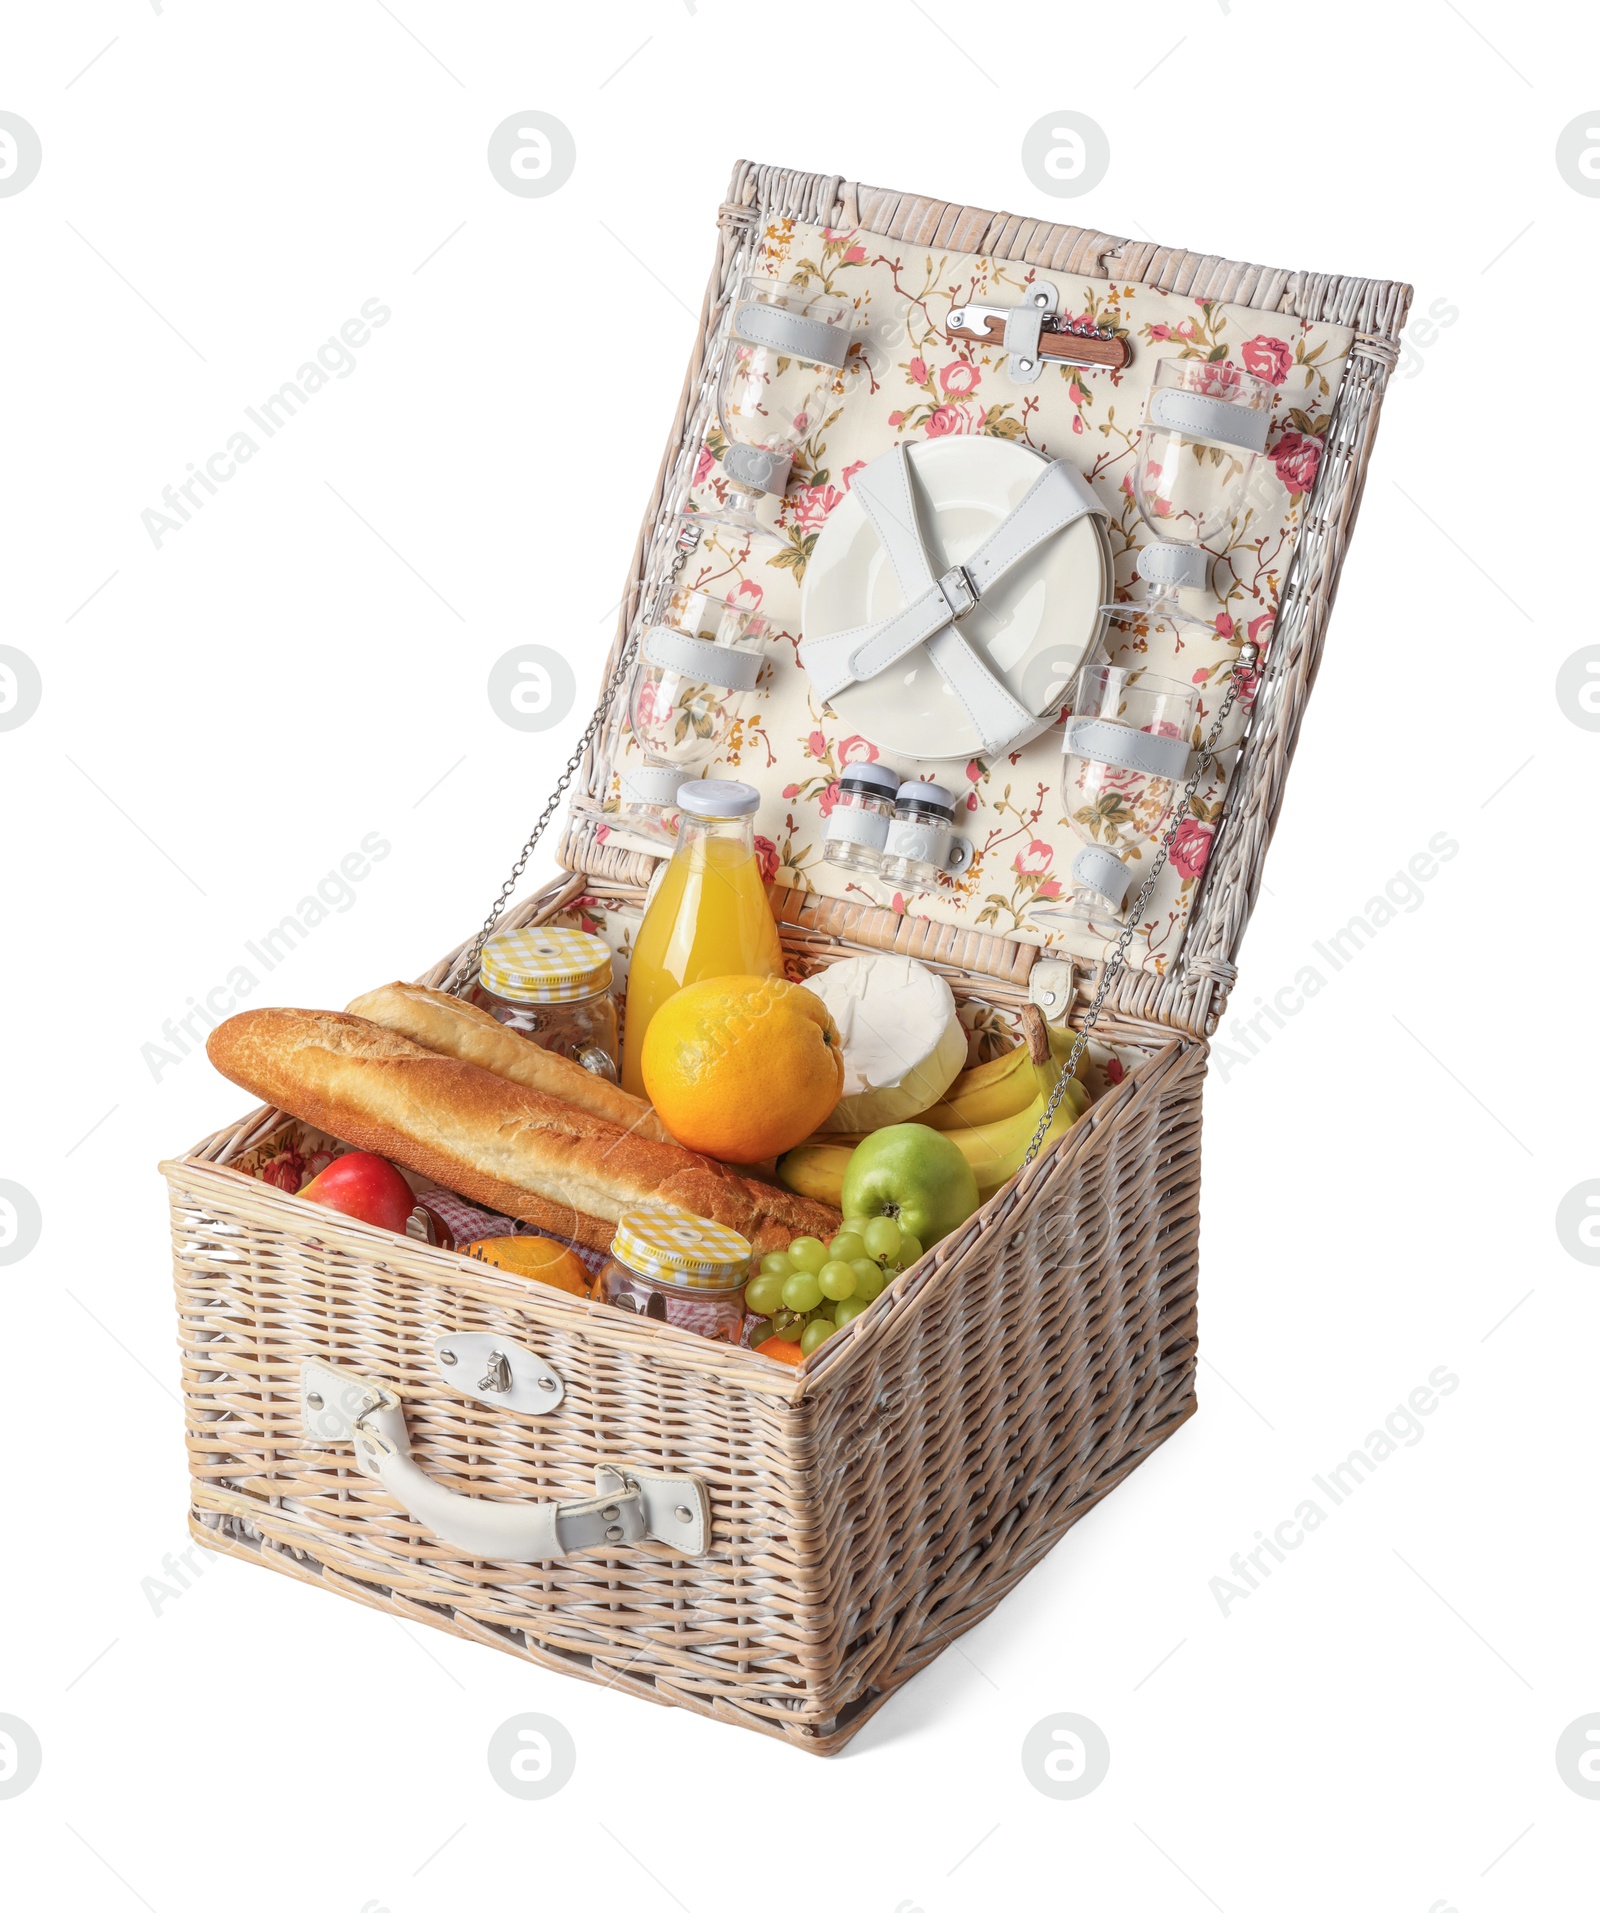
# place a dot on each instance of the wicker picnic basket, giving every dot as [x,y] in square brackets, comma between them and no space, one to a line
[869,1507]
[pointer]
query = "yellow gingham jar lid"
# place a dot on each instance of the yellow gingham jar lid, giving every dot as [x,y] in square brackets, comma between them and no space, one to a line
[546,965]
[686,1250]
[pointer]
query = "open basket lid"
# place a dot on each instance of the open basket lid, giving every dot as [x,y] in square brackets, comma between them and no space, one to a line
[1328,342]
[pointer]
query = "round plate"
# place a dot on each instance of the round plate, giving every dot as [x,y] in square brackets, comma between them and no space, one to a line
[1034,628]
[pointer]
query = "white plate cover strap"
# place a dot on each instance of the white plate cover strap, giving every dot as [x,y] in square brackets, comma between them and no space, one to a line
[934,605]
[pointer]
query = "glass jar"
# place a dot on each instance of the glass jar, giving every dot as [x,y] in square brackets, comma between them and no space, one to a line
[675,1267]
[553,987]
[916,853]
[859,822]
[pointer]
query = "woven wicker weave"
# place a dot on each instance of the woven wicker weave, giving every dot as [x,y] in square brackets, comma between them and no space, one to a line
[872,1505]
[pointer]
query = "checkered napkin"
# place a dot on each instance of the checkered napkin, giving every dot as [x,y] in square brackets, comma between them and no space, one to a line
[468,1223]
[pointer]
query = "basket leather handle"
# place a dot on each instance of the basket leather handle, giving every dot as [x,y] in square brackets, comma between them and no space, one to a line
[629,1505]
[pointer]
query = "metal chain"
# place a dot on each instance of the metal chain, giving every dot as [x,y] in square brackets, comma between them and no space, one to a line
[468,971]
[1117,961]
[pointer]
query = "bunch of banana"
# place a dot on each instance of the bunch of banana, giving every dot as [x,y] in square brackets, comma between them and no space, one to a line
[1001,1087]
[990,1114]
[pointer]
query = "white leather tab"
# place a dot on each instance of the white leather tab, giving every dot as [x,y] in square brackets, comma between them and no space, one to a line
[761,471]
[1052,987]
[758,323]
[677,1508]
[1217,420]
[719,665]
[656,788]
[1169,564]
[1024,323]
[1105,742]
[1100,870]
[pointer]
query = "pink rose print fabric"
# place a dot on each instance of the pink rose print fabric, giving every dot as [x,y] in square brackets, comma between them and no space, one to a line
[906,380]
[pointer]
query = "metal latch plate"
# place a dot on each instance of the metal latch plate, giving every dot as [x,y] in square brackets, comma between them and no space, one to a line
[493,1369]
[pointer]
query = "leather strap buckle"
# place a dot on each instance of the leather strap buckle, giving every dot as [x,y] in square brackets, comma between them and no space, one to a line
[958,591]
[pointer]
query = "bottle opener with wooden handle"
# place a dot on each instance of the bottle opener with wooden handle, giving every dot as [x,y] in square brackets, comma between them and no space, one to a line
[1064,341]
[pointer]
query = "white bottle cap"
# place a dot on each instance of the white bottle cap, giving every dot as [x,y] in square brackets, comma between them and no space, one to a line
[718,797]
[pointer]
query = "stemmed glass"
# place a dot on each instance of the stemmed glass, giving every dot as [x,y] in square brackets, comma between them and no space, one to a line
[771,395]
[697,656]
[1205,426]
[1125,755]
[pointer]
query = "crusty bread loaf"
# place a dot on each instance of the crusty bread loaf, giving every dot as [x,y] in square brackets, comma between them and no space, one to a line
[514,1149]
[450,1027]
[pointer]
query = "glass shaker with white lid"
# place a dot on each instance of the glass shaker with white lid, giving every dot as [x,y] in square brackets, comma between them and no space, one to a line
[858,824]
[921,846]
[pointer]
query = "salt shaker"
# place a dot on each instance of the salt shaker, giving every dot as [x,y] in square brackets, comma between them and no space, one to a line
[859,822]
[921,845]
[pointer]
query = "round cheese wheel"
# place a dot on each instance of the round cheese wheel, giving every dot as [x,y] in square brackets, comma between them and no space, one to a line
[903,1044]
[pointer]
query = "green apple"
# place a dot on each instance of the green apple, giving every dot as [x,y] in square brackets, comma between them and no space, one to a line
[913,1173]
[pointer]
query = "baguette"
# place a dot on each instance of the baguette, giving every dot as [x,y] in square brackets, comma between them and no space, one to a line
[514,1149]
[449,1027]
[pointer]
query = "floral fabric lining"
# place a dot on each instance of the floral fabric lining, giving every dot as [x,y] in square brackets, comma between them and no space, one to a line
[905,380]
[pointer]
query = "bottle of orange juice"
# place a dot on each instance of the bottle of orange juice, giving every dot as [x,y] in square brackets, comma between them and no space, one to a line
[708,917]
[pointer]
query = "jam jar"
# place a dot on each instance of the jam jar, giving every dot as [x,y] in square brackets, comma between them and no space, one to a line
[675,1267]
[553,987]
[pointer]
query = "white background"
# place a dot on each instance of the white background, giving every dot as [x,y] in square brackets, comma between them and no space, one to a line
[227,716]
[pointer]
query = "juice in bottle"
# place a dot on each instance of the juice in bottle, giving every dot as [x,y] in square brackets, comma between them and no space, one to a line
[709,916]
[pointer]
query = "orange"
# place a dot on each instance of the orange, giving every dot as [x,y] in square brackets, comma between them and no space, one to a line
[536,1257]
[743,1067]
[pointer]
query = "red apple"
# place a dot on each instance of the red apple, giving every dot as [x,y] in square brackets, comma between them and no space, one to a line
[365,1186]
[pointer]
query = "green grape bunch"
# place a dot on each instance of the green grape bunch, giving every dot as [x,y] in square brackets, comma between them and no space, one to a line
[813,1288]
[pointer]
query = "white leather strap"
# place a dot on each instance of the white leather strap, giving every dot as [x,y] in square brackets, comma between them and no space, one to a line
[698,658]
[762,471]
[1219,420]
[1170,564]
[1101,870]
[758,323]
[935,606]
[1105,742]
[657,788]
[889,499]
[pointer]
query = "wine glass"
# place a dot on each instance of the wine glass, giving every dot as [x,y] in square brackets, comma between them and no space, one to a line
[785,350]
[1205,426]
[1125,755]
[697,656]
